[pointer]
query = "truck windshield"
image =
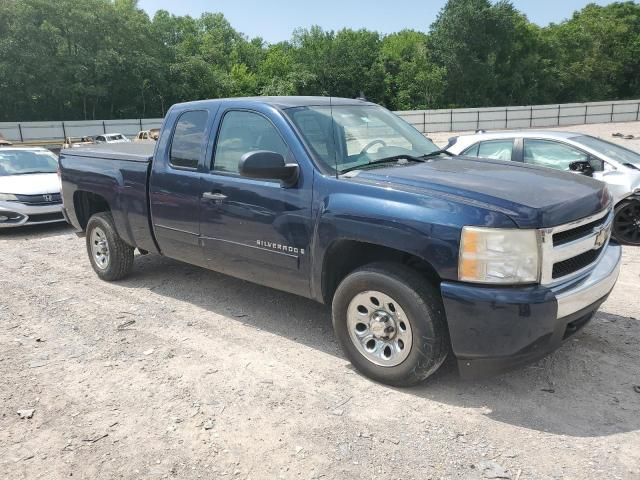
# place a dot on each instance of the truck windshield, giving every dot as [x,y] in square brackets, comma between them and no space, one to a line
[357,135]
[22,162]
[611,150]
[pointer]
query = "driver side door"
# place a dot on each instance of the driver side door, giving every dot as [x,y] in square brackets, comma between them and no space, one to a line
[254,229]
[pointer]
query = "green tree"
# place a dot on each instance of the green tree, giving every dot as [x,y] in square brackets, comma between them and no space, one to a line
[411,78]
[596,54]
[63,59]
[489,51]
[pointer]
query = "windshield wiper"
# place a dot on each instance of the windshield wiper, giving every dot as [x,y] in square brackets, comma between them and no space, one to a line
[37,171]
[437,152]
[392,158]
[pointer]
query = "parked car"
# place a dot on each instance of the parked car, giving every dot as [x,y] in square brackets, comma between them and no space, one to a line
[617,166]
[339,200]
[75,142]
[146,135]
[111,138]
[4,142]
[29,187]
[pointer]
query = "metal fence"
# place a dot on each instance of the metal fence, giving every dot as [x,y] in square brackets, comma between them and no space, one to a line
[533,116]
[427,121]
[40,132]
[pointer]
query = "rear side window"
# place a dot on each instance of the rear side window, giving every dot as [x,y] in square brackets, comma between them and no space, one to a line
[242,132]
[472,151]
[186,147]
[497,149]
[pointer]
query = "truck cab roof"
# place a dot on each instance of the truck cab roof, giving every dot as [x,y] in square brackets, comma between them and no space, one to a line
[283,102]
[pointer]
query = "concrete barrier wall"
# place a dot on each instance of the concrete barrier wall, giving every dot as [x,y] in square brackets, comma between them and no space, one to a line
[492,118]
[57,131]
[533,116]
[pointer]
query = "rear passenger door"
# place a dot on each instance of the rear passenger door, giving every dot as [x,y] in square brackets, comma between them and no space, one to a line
[174,191]
[500,149]
[255,229]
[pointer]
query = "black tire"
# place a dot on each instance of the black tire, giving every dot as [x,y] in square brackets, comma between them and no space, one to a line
[423,308]
[120,254]
[626,222]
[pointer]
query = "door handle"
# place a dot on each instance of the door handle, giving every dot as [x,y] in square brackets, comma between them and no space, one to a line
[215,196]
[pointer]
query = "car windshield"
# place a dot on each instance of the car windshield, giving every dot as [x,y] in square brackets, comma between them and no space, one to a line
[116,136]
[357,135]
[611,150]
[22,162]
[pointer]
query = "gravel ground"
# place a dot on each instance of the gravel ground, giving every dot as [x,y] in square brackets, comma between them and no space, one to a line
[179,372]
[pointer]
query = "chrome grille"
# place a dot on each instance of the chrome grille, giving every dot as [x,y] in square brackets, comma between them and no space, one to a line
[572,249]
[43,199]
[568,236]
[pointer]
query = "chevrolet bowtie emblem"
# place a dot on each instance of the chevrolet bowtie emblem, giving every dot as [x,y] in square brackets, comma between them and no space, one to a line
[602,234]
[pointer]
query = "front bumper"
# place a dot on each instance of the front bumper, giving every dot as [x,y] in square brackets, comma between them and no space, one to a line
[16,214]
[496,329]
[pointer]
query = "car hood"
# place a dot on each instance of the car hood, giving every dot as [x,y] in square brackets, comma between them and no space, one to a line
[533,197]
[30,184]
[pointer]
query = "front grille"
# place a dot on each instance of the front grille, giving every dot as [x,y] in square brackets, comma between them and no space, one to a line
[45,217]
[45,199]
[577,233]
[570,249]
[572,265]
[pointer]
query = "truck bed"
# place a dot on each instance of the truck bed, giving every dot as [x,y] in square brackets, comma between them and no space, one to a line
[134,152]
[118,174]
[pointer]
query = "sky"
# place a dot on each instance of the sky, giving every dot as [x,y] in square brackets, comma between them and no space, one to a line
[274,21]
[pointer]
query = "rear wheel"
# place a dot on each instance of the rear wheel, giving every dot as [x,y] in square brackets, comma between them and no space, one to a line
[626,223]
[111,258]
[390,322]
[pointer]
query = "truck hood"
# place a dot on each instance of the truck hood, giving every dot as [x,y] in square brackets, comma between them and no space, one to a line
[30,184]
[533,197]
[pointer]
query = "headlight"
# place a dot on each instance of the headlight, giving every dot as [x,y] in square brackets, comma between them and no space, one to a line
[496,255]
[8,197]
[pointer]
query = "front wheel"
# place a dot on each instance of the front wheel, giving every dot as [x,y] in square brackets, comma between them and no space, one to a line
[626,223]
[111,258]
[390,322]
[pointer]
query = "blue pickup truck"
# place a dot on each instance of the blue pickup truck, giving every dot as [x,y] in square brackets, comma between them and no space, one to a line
[419,254]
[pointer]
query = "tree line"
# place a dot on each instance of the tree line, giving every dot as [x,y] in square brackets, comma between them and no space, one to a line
[104,59]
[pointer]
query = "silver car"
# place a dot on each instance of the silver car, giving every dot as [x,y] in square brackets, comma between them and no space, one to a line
[29,187]
[617,166]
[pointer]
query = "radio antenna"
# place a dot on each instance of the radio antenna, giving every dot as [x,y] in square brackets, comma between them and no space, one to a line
[333,137]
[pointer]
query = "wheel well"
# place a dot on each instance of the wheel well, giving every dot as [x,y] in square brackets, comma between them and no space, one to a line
[344,256]
[87,204]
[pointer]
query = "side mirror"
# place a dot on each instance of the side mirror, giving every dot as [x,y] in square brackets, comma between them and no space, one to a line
[583,168]
[269,166]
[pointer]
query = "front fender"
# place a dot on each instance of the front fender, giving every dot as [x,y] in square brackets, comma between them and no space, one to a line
[426,227]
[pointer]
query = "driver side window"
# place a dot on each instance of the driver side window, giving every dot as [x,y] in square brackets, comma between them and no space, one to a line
[242,132]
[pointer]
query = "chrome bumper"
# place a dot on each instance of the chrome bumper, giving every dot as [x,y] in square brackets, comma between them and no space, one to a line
[20,214]
[593,287]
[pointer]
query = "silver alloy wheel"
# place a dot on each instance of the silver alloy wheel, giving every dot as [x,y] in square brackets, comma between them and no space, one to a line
[100,248]
[379,328]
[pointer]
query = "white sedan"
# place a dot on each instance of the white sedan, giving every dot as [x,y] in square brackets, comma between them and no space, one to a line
[29,187]
[617,166]
[112,138]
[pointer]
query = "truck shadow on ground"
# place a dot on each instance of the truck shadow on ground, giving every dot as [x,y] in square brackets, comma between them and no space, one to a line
[585,389]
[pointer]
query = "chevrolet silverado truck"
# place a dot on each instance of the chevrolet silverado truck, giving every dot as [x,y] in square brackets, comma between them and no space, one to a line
[419,254]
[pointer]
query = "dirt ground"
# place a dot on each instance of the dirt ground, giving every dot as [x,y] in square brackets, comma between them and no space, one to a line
[179,372]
